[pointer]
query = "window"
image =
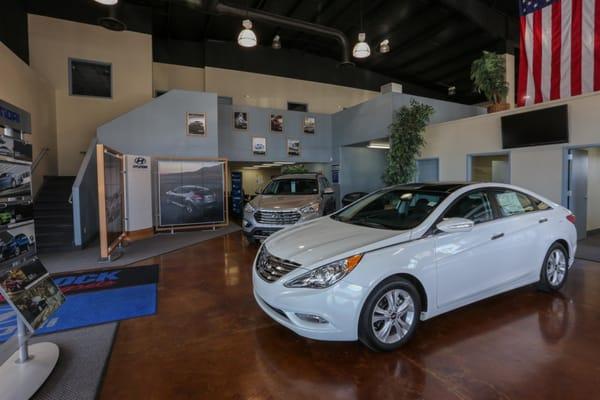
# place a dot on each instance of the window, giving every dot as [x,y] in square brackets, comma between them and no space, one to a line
[392,209]
[292,186]
[514,203]
[474,206]
[90,78]
[297,106]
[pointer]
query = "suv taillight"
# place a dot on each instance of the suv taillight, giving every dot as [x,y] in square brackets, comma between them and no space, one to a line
[571,218]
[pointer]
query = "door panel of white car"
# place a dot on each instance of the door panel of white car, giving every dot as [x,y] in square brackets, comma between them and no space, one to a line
[468,263]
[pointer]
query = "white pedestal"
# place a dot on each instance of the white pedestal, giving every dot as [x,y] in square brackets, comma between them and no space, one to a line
[20,381]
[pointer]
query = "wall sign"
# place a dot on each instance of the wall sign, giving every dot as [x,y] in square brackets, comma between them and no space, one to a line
[14,117]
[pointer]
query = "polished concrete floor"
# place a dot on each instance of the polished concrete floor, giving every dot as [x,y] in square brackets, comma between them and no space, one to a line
[209,340]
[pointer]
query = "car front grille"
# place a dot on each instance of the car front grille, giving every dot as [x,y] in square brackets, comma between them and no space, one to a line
[271,268]
[277,217]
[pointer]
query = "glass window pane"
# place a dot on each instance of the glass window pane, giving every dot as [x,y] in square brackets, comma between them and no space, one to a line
[514,203]
[474,206]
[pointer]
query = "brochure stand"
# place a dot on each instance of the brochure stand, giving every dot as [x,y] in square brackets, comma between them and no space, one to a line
[28,368]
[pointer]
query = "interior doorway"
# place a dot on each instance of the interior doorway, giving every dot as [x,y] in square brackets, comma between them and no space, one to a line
[489,167]
[582,197]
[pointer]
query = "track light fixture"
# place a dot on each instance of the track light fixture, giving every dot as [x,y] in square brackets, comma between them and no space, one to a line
[276,42]
[247,38]
[107,2]
[384,46]
[361,48]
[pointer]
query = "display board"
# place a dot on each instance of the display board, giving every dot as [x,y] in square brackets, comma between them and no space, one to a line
[237,194]
[32,293]
[111,200]
[191,193]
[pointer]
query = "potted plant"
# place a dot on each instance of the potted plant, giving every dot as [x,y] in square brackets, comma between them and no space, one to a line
[406,142]
[488,75]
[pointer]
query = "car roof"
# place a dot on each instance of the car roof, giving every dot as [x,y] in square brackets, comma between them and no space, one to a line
[312,175]
[442,187]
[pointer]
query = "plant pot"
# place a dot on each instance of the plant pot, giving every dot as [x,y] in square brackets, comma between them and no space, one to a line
[492,108]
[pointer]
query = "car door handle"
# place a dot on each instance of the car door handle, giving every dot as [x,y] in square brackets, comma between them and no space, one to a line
[541,221]
[497,236]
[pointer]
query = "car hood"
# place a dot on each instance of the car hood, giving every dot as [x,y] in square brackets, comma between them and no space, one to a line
[274,202]
[323,240]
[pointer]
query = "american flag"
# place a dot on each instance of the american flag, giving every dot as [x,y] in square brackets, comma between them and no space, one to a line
[560,49]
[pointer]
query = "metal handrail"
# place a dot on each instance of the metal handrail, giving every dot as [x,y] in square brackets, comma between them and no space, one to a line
[39,158]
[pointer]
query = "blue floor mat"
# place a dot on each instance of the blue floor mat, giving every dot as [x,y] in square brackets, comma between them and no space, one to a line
[90,308]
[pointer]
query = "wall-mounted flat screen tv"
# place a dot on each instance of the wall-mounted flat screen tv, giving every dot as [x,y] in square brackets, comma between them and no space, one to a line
[536,128]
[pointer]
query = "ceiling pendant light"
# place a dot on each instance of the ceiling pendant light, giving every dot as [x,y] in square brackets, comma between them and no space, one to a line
[247,38]
[276,42]
[361,48]
[384,46]
[107,2]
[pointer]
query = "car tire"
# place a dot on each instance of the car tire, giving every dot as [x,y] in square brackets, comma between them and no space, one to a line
[189,208]
[376,319]
[555,269]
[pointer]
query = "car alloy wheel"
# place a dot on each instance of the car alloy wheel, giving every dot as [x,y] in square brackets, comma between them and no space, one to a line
[390,315]
[393,316]
[189,209]
[556,267]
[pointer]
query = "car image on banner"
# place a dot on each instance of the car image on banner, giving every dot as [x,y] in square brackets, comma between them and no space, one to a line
[15,180]
[191,192]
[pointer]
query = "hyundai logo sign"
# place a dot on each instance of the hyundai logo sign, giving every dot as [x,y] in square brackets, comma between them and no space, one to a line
[140,162]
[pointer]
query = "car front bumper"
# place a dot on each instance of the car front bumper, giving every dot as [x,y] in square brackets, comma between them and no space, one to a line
[338,307]
[260,231]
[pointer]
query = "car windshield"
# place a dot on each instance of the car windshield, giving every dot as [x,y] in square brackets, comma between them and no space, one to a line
[292,186]
[397,209]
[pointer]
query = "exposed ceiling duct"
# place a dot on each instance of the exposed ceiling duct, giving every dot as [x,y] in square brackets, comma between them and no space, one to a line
[220,8]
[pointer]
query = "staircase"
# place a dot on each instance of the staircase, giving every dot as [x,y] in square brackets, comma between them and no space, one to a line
[54,215]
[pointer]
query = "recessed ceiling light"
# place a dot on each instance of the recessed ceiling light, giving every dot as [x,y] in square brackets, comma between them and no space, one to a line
[247,38]
[107,2]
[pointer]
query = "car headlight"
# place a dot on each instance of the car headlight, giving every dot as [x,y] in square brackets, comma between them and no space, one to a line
[325,275]
[311,208]
[249,209]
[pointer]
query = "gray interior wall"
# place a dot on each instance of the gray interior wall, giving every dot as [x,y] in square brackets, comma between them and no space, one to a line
[236,145]
[158,128]
[85,199]
[361,169]
[444,110]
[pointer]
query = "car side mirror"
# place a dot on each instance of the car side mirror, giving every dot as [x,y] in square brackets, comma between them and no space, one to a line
[328,190]
[452,225]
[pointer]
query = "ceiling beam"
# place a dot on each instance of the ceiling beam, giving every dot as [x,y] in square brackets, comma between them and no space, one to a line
[494,22]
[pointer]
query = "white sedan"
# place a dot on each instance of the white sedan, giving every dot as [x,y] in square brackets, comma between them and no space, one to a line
[408,253]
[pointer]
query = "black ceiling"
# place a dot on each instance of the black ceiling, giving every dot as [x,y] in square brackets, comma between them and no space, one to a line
[433,42]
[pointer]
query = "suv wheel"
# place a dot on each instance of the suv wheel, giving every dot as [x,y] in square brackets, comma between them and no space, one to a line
[390,315]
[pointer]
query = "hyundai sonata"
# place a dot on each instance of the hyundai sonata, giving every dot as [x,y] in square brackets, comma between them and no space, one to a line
[404,254]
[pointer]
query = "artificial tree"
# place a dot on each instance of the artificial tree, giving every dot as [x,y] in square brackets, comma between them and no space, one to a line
[488,74]
[406,142]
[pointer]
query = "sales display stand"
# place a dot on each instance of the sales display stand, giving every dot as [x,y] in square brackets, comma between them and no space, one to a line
[28,368]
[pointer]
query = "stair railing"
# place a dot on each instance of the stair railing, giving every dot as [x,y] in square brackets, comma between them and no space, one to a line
[43,153]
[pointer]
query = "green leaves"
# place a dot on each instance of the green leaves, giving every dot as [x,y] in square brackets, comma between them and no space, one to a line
[488,74]
[406,142]
[295,169]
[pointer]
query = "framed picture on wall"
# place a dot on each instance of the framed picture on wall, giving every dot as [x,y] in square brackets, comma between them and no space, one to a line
[259,145]
[240,120]
[196,124]
[276,123]
[293,147]
[308,126]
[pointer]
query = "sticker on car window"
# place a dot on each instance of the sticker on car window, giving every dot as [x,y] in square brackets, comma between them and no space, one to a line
[509,202]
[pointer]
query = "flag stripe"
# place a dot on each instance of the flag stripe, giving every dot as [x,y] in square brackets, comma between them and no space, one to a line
[565,58]
[537,55]
[556,51]
[597,46]
[529,54]
[576,32]
[587,46]
[522,90]
[546,68]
